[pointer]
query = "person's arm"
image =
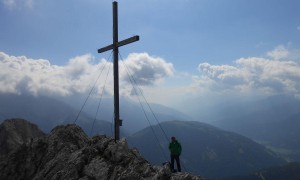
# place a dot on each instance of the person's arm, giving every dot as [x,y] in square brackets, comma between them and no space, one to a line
[180,148]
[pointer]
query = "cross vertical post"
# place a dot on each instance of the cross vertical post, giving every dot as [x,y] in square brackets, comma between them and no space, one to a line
[115,47]
[116,71]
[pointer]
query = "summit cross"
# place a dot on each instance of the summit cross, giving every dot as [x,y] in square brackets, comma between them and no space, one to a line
[115,47]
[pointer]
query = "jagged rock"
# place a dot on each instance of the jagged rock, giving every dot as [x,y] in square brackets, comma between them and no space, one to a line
[15,132]
[68,153]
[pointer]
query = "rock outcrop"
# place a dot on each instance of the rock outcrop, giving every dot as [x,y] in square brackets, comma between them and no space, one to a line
[15,132]
[68,153]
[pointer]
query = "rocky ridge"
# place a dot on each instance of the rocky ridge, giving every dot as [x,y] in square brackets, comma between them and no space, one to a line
[15,132]
[68,153]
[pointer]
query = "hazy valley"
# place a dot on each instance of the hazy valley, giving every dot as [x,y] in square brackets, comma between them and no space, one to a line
[208,151]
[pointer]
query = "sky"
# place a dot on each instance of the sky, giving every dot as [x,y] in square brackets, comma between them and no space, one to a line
[187,48]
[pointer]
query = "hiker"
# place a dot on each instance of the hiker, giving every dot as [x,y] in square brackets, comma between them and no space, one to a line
[175,150]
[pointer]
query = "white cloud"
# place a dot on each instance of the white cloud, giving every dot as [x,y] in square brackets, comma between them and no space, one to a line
[18,3]
[298,28]
[279,52]
[38,77]
[252,75]
[145,69]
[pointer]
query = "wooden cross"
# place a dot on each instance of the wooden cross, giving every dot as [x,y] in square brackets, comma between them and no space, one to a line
[115,47]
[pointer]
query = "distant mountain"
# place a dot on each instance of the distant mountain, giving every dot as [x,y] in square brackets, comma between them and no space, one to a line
[171,112]
[15,132]
[207,150]
[274,122]
[68,153]
[48,112]
[286,172]
[131,112]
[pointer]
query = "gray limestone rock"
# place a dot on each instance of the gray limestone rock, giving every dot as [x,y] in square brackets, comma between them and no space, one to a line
[15,132]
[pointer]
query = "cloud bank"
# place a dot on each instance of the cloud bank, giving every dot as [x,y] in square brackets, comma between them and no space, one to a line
[22,75]
[253,74]
[269,75]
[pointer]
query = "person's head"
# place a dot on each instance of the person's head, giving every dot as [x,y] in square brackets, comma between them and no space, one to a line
[173,138]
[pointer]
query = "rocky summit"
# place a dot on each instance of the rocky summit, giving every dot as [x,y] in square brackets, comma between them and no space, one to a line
[68,153]
[15,132]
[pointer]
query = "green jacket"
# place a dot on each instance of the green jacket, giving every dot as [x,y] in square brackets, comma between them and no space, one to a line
[175,148]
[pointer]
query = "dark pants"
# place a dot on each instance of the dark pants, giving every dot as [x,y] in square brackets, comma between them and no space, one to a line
[176,157]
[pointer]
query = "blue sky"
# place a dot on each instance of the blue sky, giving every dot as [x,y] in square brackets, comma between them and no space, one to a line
[190,44]
[184,32]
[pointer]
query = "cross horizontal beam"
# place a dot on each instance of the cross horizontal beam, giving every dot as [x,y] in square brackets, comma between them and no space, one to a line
[119,44]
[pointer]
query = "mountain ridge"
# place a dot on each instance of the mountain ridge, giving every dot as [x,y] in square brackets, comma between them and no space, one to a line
[207,150]
[48,112]
[68,153]
[16,132]
[273,122]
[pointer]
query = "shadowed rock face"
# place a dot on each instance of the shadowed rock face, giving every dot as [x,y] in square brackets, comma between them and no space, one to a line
[15,132]
[68,153]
